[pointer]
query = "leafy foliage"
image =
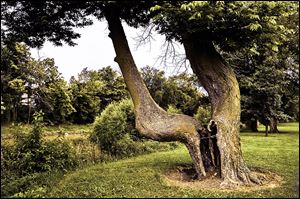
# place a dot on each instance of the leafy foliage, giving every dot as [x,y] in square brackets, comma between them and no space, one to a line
[15,76]
[114,131]
[229,24]
[110,127]
[203,114]
[32,154]
[263,99]
[181,91]
[29,85]
[29,21]
[93,91]
[172,109]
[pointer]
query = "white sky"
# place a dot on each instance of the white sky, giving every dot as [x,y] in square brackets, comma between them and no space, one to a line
[95,50]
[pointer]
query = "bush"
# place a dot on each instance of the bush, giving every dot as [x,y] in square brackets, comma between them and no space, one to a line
[114,131]
[203,114]
[109,127]
[32,155]
[173,109]
[127,147]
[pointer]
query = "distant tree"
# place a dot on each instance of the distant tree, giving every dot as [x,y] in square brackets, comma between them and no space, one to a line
[51,93]
[155,81]
[183,92]
[114,89]
[180,91]
[92,91]
[263,100]
[15,72]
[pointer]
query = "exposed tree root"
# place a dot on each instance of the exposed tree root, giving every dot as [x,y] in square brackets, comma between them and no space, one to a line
[185,176]
[243,177]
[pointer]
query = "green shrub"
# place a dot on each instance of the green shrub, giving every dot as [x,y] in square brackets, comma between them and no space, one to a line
[173,109]
[109,127]
[127,147]
[114,131]
[31,154]
[34,154]
[36,192]
[30,186]
[203,114]
[58,154]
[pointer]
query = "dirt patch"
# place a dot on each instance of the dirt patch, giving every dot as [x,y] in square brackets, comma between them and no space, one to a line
[185,176]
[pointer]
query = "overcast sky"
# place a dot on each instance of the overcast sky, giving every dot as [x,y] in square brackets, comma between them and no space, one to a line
[95,50]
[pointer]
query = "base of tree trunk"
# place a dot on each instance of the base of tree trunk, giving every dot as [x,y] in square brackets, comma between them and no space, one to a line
[184,175]
[210,153]
[244,177]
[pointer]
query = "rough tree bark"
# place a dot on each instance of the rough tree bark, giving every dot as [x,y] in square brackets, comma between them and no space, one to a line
[151,120]
[221,84]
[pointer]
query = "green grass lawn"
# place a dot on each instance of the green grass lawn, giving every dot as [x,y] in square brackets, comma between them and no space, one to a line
[74,131]
[66,128]
[142,176]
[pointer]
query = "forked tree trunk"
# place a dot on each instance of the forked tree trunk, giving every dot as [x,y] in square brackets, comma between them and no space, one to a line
[151,120]
[221,84]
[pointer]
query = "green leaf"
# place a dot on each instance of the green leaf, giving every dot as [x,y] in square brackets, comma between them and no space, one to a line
[253,49]
[199,3]
[184,7]
[155,8]
[254,26]
[195,16]
[253,16]
[272,21]
[210,17]
[275,48]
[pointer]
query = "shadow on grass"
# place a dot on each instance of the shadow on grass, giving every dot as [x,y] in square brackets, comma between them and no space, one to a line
[262,134]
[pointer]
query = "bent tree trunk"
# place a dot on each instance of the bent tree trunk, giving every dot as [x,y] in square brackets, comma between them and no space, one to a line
[221,84]
[151,120]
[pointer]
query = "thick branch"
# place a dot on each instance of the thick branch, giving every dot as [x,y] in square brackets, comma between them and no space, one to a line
[151,120]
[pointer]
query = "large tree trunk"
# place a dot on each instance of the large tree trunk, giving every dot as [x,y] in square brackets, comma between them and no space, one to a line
[273,125]
[221,84]
[151,120]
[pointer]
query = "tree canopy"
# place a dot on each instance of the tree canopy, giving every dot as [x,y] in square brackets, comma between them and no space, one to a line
[229,24]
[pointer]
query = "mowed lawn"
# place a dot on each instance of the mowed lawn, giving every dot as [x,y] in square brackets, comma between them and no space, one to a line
[142,176]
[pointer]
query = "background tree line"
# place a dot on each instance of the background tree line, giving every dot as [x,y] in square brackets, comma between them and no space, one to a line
[29,85]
